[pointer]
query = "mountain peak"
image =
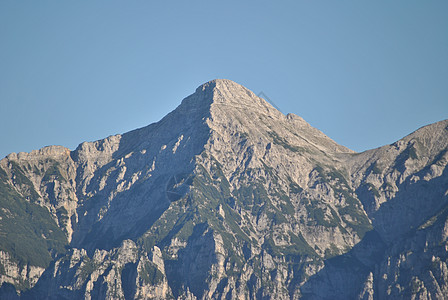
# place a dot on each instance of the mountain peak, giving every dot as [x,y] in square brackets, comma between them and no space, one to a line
[221,85]
[230,107]
[229,93]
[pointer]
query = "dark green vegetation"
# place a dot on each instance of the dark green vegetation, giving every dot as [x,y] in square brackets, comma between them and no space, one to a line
[349,208]
[150,274]
[27,231]
[278,140]
[354,216]
[53,172]
[19,179]
[88,267]
[317,215]
[296,248]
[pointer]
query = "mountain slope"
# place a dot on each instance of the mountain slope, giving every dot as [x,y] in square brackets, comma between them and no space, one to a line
[226,197]
[404,190]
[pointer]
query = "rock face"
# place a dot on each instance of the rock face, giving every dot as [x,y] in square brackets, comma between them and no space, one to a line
[226,198]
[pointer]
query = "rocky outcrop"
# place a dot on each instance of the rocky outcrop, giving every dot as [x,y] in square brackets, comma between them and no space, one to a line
[20,276]
[227,198]
[116,274]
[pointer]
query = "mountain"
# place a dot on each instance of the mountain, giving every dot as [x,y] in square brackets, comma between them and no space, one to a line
[226,198]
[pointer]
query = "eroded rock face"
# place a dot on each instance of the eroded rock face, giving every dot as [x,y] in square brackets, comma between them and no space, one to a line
[227,198]
[23,276]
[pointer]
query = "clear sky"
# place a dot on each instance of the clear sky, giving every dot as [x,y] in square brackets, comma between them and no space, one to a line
[366,73]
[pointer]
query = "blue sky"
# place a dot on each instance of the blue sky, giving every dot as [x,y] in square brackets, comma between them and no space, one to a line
[366,73]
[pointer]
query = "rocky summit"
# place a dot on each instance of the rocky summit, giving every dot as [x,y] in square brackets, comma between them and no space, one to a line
[226,198]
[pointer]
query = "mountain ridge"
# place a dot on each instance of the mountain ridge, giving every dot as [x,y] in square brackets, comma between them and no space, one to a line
[225,197]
